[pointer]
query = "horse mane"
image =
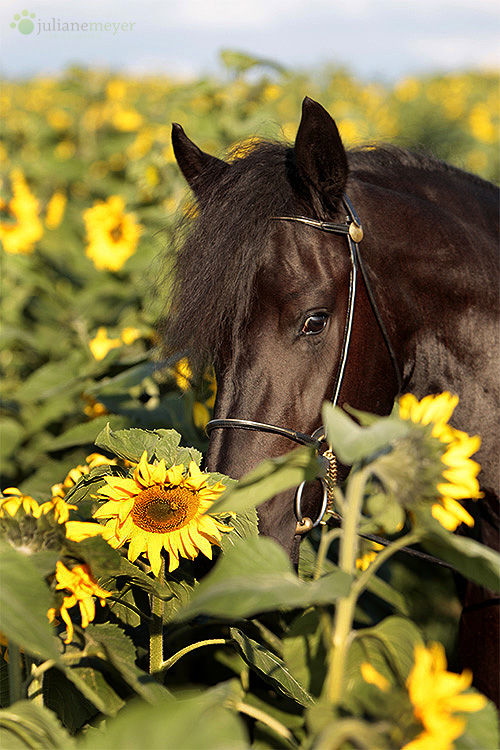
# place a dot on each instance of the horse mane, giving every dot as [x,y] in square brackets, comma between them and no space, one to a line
[219,247]
[375,159]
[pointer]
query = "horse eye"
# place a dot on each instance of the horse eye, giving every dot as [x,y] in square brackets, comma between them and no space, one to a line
[314,324]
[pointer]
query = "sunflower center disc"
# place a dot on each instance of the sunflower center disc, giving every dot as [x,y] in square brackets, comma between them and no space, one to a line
[117,232]
[159,509]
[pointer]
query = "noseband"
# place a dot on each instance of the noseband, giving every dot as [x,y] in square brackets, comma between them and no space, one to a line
[351,229]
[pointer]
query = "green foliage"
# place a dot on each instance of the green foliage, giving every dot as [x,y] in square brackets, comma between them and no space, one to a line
[241,651]
[249,638]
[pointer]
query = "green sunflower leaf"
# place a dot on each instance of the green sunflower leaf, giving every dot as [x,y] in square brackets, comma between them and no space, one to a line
[129,444]
[90,683]
[200,721]
[482,729]
[352,443]
[26,724]
[24,602]
[270,666]
[120,652]
[473,560]
[393,639]
[97,553]
[255,575]
[304,650]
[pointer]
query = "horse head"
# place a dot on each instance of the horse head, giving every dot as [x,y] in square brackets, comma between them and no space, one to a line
[281,322]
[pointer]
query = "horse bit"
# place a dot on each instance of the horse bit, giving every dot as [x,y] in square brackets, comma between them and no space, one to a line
[352,230]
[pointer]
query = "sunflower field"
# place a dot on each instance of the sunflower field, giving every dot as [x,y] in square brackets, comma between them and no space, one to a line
[120,625]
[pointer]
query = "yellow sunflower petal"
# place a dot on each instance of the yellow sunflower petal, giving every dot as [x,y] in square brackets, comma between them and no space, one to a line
[110,508]
[142,472]
[120,485]
[79,530]
[175,474]
[125,509]
[125,529]
[407,403]
[208,525]
[159,473]
[173,561]
[187,537]
[202,543]
[448,520]
[370,675]
[195,478]
[154,548]
[137,545]
[69,625]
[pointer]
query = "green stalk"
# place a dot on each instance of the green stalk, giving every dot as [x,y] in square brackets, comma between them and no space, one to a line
[175,657]
[327,538]
[269,721]
[156,630]
[344,612]
[15,677]
[405,541]
[343,634]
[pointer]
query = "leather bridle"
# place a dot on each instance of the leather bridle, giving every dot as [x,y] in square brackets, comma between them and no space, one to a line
[352,230]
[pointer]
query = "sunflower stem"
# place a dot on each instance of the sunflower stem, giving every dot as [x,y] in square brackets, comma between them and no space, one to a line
[404,541]
[175,657]
[327,537]
[15,676]
[156,630]
[271,722]
[344,612]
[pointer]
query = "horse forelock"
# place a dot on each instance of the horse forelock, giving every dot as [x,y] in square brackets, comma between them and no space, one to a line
[220,250]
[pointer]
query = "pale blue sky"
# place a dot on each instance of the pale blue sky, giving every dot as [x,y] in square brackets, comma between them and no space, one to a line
[381,39]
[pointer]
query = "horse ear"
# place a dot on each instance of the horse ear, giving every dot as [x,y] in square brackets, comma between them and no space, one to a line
[197,167]
[320,155]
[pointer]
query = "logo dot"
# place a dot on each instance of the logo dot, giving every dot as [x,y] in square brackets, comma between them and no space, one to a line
[26,26]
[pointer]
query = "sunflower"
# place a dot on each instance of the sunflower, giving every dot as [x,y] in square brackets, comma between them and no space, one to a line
[437,695]
[55,210]
[101,344]
[369,551]
[158,508]
[21,235]
[82,588]
[372,677]
[112,234]
[457,476]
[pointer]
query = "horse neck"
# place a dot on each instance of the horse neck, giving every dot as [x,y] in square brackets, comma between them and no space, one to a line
[433,262]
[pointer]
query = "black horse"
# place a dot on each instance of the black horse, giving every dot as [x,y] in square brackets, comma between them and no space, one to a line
[266,300]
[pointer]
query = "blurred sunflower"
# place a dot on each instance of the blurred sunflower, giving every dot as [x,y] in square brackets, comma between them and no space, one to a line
[20,235]
[369,551]
[158,508]
[458,479]
[437,695]
[102,344]
[55,209]
[112,234]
